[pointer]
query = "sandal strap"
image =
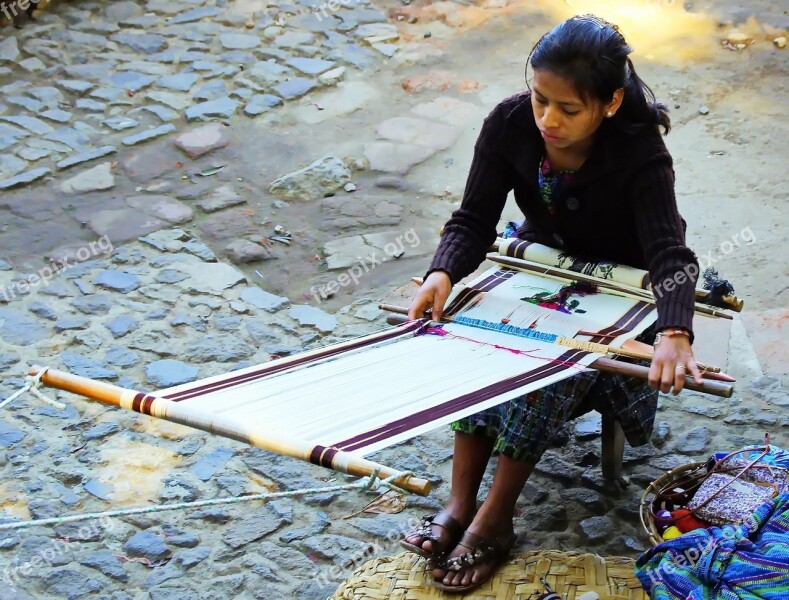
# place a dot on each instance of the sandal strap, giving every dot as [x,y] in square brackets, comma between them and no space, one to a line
[481,550]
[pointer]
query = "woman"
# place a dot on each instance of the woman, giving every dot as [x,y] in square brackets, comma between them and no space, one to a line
[583,153]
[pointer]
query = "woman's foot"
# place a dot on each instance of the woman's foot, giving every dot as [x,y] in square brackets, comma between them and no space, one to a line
[439,533]
[487,543]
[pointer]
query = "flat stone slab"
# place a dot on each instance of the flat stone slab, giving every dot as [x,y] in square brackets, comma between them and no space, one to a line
[120,123]
[99,177]
[181,82]
[311,66]
[168,373]
[37,126]
[83,157]
[324,176]
[131,81]
[222,197]
[419,132]
[23,178]
[174,101]
[445,109]
[202,140]
[260,103]
[144,136]
[162,207]
[313,317]
[195,14]
[366,251]
[211,278]
[239,41]
[11,165]
[122,225]
[390,157]
[144,43]
[221,107]
[294,88]
[263,300]
[57,115]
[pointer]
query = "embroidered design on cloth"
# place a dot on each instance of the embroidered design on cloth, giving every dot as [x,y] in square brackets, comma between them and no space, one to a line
[548,182]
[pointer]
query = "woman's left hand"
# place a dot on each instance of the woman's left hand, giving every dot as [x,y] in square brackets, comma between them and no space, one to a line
[672,360]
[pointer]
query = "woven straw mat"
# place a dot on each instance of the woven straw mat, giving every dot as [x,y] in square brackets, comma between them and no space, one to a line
[405,577]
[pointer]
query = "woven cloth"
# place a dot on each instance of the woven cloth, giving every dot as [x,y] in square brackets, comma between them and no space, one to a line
[745,562]
[405,577]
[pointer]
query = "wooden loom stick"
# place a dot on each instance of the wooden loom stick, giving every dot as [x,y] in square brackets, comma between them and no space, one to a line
[732,301]
[565,275]
[608,365]
[178,413]
[637,349]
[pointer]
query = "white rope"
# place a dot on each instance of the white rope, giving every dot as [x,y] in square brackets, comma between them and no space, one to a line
[32,384]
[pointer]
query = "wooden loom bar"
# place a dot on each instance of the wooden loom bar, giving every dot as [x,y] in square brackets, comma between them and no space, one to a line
[732,301]
[173,411]
[714,388]
[564,274]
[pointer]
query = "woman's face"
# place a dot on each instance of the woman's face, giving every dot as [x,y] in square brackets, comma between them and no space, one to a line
[564,119]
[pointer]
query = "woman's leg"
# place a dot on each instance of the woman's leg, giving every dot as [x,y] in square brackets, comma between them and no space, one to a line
[471,456]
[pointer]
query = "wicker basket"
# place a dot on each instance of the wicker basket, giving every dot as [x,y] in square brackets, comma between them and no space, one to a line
[682,481]
[406,577]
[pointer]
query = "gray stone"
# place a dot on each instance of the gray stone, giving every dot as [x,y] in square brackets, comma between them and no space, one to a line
[9,50]
[263,300]
[69,137]
[69,323]
[589,426]
[334,547]
[294,88]
[107,564]
[144,43]
[9,435]
[222,197]
[770,389]
[109,94]
[244,251]
[203,139]
[260,103]
[311,66]
[311,316]
[91,105]
[131,81]
[86,367]
[120,123]
[553,466]
[25,102]
[294,39]
[150,134]
[164,113]
[182,82]
[75,85]
[162,207]
[8,359]
[57,115]
[12,132]
[11,165]
[211,90]
[205,468]
[37,126]
[99,489]
[324,176]
[117,281]
[190,558]
[195,14]
[125,224]
[94,304]
[101,430]
[695,441]
[121,357]
[170,276]
[85,156]
[221,107]
[122,325]
[33,154]
[24,178]
[712,412]
[174,101]
[239,41]
[69,583]
[145,544]
[218,347]
[168,373]
[260,524]
[99,177]
[596,529]
[19,329]
[590,499]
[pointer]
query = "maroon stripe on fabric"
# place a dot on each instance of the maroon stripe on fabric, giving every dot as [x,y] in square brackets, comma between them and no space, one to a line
[147,402]
[426,416]
[136,402]
[265,371]
[487,284]
[517,249]
[328,457]
[315,455]
[626,323]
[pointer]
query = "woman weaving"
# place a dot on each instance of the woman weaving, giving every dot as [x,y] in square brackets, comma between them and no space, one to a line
[583,153]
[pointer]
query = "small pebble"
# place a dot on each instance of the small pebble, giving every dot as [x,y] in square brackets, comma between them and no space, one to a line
[350,187]
[589,596]
[428,34]
[703,110]
[780,42]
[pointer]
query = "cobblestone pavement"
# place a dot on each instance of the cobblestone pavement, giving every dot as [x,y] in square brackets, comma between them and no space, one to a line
[186,188]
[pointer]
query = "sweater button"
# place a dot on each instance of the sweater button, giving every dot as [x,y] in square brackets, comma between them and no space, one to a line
[573,203]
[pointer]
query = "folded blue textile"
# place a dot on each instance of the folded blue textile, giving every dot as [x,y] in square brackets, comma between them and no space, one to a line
[744,562]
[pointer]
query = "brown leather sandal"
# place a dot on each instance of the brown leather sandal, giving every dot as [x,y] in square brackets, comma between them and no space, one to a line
[444,520]
[481,550]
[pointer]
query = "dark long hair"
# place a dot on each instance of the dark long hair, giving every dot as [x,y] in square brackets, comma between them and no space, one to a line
[592,54]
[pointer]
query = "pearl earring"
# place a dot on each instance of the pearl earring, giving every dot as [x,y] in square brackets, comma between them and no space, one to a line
[610,114]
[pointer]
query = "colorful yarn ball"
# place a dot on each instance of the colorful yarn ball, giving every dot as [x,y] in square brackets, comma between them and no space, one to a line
[671,533]
[687,522]
[663,518]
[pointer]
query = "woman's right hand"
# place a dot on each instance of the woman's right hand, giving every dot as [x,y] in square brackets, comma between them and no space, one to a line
[433,294]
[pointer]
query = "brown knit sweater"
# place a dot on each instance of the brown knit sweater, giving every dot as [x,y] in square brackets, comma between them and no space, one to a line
[619,206]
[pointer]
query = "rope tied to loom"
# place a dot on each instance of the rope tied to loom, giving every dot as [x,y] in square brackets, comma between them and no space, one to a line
[371,482]
[32,383]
